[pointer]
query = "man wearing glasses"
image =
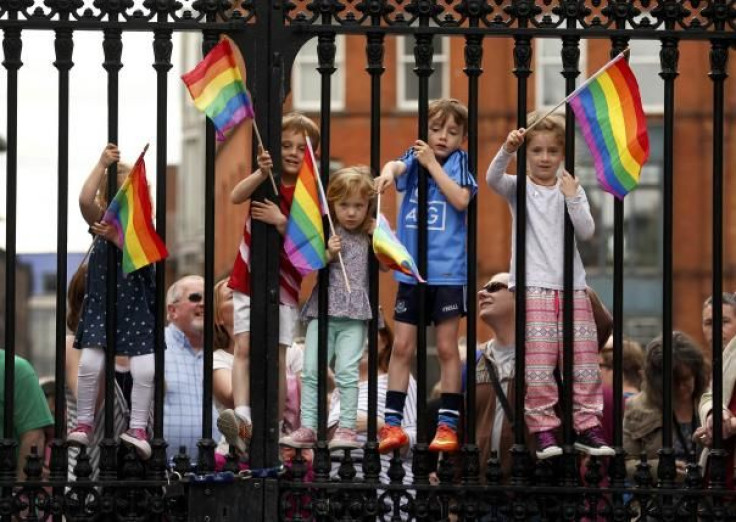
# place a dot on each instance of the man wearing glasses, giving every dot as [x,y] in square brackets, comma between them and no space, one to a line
[494,375]
[184,366]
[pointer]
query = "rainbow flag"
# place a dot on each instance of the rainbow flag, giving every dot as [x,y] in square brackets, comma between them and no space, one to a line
[391,252]
[304,241]
[218,89]
[131,214]
[609,112]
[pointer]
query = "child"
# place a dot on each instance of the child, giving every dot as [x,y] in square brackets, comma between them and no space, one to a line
[349,198]
[135,317]
[547,197]
[450,187]
[236,424]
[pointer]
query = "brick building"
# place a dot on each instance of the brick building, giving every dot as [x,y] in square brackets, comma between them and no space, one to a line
[643,250]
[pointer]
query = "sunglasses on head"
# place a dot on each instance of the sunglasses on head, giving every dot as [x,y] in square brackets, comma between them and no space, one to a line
[495,286]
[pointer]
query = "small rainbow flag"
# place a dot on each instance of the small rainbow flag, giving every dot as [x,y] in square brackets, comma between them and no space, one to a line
[304,241]
[131,214]
[391,252]
[609,112]
[218,89]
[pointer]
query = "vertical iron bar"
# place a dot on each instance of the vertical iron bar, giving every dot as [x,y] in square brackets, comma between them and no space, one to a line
[12,46]
[617,470]
[206,460]
[473,69]
[669,55]
[570,70]
[522,70]
[162,47]
[112,45]
[64,46]
[718,63]
[374,54]
[423,54]
[326,52]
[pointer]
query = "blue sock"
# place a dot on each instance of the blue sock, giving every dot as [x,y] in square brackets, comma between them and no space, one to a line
[449,414]
[394,412]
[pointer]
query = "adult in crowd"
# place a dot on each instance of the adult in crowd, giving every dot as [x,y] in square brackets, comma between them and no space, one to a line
[409,422]
[222,357]
[729,319]
[643,416]
[704,434]
[494,375]
[632,362]
[31,415]
[184,367]
[121,404]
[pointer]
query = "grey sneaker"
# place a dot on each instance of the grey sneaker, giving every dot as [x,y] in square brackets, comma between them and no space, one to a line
[236,430]
[591,441]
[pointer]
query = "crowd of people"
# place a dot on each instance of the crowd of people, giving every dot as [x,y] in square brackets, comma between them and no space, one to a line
[351,200]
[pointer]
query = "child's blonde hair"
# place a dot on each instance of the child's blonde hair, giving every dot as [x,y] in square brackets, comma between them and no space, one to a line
[298,122]
[352,181]
[554,123]
[446,107]
[101,198]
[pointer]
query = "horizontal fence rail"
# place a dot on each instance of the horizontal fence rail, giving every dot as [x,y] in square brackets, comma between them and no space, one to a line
[112,483]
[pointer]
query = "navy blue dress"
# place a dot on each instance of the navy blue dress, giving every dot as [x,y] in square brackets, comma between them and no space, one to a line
[135,305]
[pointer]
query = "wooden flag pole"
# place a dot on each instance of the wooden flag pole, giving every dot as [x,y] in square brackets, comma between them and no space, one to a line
[260,146]
[324,201]
[624,54]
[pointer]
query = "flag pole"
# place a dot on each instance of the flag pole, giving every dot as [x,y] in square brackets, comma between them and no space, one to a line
[324,202]
[622,54]
[260,145]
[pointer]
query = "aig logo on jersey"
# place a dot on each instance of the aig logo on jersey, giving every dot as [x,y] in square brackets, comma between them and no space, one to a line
[436,214]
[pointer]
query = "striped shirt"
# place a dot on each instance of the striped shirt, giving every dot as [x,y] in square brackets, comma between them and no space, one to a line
[120,417]
[409,423]
[289,279]
[184,377]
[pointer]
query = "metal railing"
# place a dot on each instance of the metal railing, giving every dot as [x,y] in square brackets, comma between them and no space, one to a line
[272,31]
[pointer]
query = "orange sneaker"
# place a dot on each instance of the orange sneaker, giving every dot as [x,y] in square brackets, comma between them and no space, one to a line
[391,438]
[445,440]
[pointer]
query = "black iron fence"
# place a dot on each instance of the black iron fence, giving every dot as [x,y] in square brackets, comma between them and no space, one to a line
[271,32]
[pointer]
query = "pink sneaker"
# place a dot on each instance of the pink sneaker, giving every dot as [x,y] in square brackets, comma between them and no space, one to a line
[79,436]
[302,438]
[138,438]
[345,438]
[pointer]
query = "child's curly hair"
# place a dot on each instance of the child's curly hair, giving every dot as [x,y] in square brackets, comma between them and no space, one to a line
[352,181]
[554,123]
[449,107]
[299,123]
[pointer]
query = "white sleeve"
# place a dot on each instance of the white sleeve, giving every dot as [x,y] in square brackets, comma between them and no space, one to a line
[496,177]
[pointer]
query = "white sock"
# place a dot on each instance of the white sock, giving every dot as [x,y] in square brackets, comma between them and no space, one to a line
[243,412]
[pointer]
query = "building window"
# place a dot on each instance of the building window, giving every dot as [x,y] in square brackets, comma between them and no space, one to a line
[642,213]
[549,82]
[644,61]
[407,92]
[306,80]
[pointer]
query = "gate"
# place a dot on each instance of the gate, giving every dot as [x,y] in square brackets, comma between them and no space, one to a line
[270,33]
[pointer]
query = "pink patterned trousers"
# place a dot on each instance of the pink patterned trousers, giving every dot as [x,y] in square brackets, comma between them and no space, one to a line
[544,354]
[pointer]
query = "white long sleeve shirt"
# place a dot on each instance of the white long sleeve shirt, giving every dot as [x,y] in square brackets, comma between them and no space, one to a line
[545,210]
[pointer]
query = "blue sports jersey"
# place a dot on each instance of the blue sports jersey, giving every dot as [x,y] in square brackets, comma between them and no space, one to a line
[446,227]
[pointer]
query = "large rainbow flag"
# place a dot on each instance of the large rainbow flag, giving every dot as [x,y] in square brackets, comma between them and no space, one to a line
[304,241]
[131,214]
[218,89]
[391,252]
[609,112]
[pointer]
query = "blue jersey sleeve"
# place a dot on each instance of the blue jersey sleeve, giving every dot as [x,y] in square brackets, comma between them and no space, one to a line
[408,180]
